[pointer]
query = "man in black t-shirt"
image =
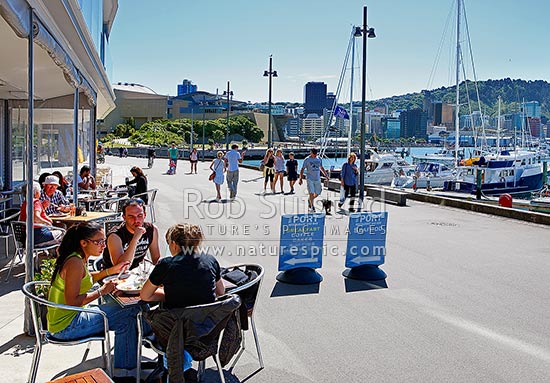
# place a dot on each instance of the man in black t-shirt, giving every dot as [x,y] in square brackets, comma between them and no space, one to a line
[130,241]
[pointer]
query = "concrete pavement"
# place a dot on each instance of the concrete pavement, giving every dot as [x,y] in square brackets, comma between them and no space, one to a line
[465,299]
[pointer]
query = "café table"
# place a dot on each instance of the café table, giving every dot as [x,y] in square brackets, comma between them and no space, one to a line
[97,375]
[90,216]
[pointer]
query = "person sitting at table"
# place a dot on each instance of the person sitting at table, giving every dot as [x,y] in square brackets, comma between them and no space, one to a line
[141,184]
[42,235]
[42,178]
[187,278]
[130,241]
[70,285]
[63,183]
[52,199]
[85,180]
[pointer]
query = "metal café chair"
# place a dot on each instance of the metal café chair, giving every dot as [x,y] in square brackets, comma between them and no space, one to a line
[38,309]
[19,230]
[151,196]
[214,334]
[249,293]
[7,216]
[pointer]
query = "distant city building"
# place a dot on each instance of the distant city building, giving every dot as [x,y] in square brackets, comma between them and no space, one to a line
[292,127]
[374,123]
[437,110]
[331,99]
[391,127]
[199,104]
[134,102]
[312,126]
[413,123]
[186,87]
[315,98]
[535,126]
[532,109]
[276,110]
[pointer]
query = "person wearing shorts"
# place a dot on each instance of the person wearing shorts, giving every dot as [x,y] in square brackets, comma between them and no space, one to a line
[313,166]
[292,171]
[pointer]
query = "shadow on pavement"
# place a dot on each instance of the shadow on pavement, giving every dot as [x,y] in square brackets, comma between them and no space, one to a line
[15,280]
[353,285]
[18,345]
[285,289]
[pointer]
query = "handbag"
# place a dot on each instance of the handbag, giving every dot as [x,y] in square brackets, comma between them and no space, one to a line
[212,176]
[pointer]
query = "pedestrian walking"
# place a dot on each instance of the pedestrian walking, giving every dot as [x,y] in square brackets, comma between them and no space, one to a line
[173,154]
[232,160]
[193,159]
[348,180]
[218,167]
[279,169]
[313,166]
[292,171]
[269,169]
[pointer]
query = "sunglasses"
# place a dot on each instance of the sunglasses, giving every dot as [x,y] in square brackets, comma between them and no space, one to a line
[98,242]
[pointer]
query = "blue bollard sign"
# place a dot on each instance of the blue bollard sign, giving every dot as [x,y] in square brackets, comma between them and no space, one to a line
[366,239]
[301,243]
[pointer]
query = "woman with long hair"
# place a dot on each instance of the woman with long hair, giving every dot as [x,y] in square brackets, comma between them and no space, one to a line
[218,166]
[70,285]
[269,169]
[279,169]
[141,183]
[63,183]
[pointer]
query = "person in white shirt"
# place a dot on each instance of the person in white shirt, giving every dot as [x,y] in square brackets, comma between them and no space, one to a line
[232,159]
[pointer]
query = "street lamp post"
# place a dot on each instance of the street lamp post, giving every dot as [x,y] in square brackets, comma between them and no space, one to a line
[271,73]
[367,33]
[203,112]
[227,93]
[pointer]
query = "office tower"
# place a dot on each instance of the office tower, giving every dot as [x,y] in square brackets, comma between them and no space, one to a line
[315,94]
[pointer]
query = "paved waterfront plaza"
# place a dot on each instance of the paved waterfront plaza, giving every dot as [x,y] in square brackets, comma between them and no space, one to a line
[465,299]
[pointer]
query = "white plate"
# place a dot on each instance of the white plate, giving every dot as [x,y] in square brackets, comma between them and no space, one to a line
[129,287]
[115,277]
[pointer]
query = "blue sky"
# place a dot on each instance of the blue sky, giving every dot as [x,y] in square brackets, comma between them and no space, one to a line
[159,43]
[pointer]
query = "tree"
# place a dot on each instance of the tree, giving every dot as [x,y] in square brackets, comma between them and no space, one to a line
[218,136]
[123,130]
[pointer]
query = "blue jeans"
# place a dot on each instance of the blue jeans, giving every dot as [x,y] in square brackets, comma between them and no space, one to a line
[121,320]
[232,181]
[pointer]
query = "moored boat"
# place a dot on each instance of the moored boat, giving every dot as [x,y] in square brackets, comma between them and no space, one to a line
[517,172]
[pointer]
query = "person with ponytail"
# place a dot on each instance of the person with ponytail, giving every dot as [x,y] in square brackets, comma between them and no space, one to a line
[187,278]
[70,285]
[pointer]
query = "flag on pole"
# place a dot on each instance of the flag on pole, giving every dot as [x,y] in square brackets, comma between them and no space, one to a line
[341,112]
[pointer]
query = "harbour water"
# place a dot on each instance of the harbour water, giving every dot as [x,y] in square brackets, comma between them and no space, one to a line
[338,161]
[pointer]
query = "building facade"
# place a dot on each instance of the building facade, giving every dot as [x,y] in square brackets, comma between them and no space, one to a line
[134,102]
[413,123]
[315,98]
[70,90]
[186,87]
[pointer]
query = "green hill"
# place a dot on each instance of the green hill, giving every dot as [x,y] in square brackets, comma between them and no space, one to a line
[512,92]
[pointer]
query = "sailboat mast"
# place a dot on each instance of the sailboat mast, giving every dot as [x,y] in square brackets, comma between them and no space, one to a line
[457,106]
[498,127]
[351,90]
